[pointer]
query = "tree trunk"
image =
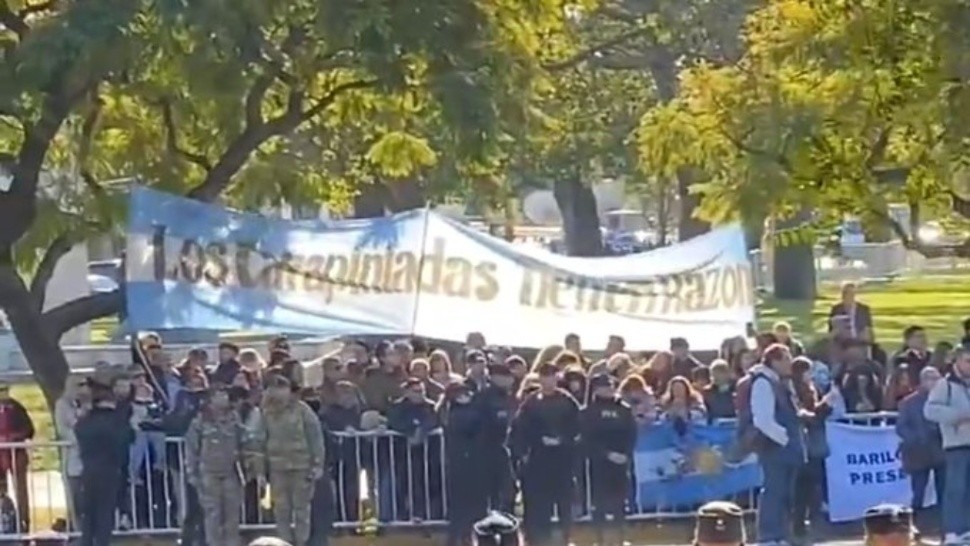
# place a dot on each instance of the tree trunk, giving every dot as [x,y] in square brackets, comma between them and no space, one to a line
[407,194]
[663,68]
[581,222]
[40,345]
[794,266]
[663,212]
[371,201]
[689,227]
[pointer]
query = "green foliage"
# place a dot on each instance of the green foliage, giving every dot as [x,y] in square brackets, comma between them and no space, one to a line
[263,100]
[834,108]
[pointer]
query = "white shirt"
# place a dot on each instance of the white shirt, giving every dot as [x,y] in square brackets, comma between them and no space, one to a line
[763,407]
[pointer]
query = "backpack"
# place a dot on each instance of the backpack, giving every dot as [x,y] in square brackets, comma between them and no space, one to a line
[748,439]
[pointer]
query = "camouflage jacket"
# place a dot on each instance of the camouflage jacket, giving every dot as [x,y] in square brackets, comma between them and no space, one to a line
[289,438]
[214,446]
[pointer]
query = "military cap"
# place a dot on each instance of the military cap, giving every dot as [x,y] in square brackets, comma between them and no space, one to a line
[888,519]
[719,522]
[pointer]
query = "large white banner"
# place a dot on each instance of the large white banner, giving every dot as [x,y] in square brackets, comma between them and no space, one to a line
[192,265]
[865,469]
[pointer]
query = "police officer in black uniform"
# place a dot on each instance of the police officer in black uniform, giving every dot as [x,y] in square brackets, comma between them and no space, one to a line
[462,423]
[609,433]
[544,437]
[497,405]
[719,523]
[889,525]
[103,436]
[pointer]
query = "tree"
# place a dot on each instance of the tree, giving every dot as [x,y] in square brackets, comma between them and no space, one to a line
[830,111]
[244,101]
[656,39]
[580,136]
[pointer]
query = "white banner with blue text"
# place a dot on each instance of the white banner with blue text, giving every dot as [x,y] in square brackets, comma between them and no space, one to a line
[864,469]
[194,265]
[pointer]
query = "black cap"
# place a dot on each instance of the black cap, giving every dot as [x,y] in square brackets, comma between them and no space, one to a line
[719,522]
[474,356]
[601,380]
[888,519]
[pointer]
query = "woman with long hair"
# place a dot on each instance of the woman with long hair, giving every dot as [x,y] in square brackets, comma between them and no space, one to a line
[547,354]
[682,403]
[899,385]
[250,360]
[660,365]
[810,480]
[620,365]
[440,370]
[731,350]
[638,395]
[861,392]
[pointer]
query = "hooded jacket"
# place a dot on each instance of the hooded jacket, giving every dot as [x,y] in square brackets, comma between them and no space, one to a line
[949,405]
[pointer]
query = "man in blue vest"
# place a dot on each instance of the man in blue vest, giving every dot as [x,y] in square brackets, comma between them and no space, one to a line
[780,443]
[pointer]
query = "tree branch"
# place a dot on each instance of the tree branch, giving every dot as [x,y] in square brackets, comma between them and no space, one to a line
[275,66]
[911,241]
[239,151]
[171,138]
[83,310]
[324,102]
[592,51]
[878,151]
[13,21]
[88,128]
[60,246]
[780,160]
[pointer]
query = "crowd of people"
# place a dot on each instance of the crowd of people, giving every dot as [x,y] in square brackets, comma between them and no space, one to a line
[249,425]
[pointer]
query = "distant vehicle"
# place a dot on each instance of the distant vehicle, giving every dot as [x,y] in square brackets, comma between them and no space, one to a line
[851,232]
[627,231]
[104,276]
[106,268]
[100,283]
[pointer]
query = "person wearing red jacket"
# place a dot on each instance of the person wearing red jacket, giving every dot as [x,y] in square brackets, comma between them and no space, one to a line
[15,426]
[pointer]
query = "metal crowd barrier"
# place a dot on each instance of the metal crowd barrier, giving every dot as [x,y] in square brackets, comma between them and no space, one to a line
[379,479]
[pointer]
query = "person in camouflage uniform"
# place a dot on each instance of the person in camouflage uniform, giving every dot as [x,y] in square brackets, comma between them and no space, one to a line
[289,445]
[214,449]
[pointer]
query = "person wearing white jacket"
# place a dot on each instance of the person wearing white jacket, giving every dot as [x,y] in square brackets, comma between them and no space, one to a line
[948,405]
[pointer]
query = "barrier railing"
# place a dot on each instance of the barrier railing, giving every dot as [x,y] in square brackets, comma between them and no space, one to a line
[402,483]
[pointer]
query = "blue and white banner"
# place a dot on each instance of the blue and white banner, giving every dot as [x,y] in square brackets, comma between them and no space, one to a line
[691,466]
[193,265]
[865,469]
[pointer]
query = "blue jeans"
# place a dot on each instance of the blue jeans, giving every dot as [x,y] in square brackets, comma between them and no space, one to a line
[920,479]
[777,497]
[956,497]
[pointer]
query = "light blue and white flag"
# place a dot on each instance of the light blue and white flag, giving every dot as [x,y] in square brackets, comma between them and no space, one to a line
[678,469]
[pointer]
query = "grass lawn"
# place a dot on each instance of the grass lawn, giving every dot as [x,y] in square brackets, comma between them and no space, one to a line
[939,304]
